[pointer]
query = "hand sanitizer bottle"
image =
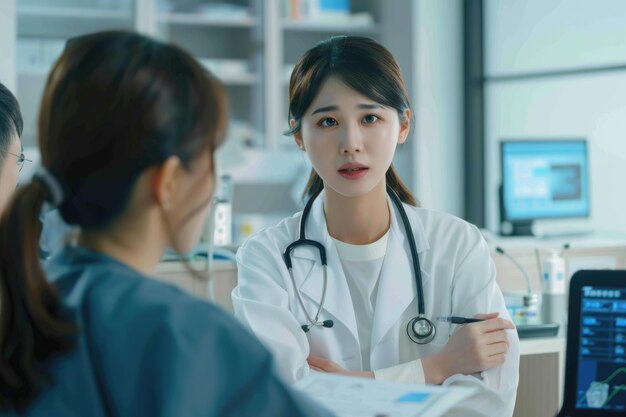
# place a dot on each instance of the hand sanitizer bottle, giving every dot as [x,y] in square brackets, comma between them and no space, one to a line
[223,213]
[554,309]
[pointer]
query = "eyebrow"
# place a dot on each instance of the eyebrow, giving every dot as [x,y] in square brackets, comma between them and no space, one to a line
[335,108]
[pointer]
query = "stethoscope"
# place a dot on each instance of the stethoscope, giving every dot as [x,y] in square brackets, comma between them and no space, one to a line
[420,329]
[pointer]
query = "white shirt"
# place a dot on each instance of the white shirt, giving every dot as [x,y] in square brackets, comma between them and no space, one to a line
[361,266]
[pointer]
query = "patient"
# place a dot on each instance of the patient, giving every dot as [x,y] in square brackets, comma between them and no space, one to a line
[128,128]
[11,156]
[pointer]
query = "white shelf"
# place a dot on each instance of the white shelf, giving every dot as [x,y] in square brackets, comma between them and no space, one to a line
[34,72]
[540,346]
[66,22]
[241,79]
[206,20]
[321,26]
[73,13]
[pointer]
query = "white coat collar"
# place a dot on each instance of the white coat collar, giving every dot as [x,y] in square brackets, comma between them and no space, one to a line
[317,229]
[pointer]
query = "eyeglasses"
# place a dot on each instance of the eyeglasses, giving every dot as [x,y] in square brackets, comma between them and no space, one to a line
[20,158]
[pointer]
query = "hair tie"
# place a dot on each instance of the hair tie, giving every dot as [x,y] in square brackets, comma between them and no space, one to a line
[52,185]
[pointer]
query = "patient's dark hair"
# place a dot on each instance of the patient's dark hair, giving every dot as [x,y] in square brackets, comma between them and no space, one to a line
[11,123]
[115,104]
[365,66]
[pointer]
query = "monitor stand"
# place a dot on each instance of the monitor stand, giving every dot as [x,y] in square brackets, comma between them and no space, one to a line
[563,228]
[542,230]
[518,228]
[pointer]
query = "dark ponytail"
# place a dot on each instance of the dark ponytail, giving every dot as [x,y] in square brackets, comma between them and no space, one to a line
[32,327]
[115,105]
[365,66]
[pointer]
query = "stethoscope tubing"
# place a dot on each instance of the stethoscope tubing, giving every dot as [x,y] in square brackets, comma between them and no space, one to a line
[413,249]
[303,241]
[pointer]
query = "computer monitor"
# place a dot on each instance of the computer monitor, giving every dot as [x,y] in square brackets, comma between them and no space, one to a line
[543,179]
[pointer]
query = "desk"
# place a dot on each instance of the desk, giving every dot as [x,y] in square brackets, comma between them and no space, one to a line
[216,288]
[542,362]
[542,372]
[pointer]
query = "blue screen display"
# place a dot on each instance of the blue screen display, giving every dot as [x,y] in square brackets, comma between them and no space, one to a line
[544,179]
[602,349]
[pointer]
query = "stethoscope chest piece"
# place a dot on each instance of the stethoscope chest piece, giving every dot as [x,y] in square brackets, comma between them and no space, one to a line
[421,330]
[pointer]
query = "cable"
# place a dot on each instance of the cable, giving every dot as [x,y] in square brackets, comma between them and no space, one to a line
[518,265]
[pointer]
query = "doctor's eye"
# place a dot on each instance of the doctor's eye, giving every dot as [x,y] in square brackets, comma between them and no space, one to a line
[327,122]
[370,118]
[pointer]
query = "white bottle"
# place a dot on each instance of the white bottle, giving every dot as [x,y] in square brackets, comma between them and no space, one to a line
[223,213]
[554,309]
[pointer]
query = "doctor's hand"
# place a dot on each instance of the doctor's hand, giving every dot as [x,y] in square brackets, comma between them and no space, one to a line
[326,365]
[472,348]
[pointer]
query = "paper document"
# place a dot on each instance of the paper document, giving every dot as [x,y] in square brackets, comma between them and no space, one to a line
[362,397]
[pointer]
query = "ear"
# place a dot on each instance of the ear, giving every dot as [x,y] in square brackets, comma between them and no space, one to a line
[405,126]
[298,135]
[165,181]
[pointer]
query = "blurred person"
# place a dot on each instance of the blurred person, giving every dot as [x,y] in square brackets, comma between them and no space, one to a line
[128,127]
[11,153]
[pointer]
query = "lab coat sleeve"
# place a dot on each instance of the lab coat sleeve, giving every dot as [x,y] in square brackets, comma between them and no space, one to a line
[409,373]
[261,302]
[474,290]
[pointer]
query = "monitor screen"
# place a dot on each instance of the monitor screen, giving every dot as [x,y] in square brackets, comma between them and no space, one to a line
[601,358]
[544,179]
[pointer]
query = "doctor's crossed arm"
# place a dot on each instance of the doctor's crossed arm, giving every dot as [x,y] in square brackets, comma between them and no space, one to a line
[473,348]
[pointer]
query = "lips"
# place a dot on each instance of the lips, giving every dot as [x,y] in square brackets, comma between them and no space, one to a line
[353,170]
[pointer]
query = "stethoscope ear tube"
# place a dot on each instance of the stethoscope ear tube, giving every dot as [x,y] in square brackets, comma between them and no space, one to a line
[326,323]
[304,242]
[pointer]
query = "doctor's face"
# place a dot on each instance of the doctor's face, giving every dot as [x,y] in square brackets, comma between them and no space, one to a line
[349,138]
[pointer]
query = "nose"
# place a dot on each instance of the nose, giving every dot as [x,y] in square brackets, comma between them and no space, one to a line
[351,140]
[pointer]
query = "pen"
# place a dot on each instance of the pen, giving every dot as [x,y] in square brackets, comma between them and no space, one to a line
[458,320]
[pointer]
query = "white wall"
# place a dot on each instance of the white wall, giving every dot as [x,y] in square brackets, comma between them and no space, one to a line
[8,34]
[439,105]
[538,35]
[544,35]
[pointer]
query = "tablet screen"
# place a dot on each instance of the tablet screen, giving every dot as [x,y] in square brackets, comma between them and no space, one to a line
[602,349]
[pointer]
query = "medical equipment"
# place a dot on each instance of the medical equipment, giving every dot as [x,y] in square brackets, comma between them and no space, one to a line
[554,303]
[419,329]
[529,312]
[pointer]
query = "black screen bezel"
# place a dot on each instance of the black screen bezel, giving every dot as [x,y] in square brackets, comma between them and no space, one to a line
[615,279]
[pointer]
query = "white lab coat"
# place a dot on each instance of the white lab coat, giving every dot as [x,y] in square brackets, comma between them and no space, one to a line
[458,279]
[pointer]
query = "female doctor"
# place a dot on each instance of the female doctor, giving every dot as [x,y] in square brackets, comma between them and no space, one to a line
[353,284]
